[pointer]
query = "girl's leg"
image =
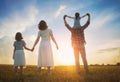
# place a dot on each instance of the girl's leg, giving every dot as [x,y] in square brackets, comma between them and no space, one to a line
[16,69]
[48,70]
[39,70]
[21,70]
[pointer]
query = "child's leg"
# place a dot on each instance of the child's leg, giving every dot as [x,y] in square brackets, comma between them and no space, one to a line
[48,70]
[16,69]
[21,70]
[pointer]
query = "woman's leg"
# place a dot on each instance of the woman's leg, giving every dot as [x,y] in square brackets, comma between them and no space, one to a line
[21,70]
[48,70]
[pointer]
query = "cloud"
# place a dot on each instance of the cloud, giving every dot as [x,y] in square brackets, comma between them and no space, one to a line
[18,21]
[6,50]
[59,11]
[102,19]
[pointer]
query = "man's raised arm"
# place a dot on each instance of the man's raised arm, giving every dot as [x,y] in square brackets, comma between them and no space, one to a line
[65,22]
[87,23]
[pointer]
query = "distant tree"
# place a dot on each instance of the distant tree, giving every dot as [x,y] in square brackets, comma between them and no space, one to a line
[118,64]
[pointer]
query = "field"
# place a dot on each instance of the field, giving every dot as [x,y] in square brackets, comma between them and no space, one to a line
[61,74]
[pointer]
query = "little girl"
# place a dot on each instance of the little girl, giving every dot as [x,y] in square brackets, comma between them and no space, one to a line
[45,55]
[76,20]
[18,54]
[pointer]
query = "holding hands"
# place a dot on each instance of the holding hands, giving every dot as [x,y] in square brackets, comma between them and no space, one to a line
[32,49]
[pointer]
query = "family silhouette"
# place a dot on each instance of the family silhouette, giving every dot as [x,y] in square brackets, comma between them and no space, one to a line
[45,53]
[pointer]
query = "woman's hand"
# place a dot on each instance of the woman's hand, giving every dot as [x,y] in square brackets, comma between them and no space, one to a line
[57,47]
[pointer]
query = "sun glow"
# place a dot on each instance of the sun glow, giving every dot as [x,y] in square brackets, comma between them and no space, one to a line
[64,57]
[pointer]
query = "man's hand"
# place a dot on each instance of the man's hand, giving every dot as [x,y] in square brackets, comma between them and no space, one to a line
[88,14]
[64,17]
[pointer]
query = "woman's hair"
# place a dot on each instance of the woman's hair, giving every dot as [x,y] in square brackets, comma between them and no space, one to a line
[18,36]
[42,25]
[77,15]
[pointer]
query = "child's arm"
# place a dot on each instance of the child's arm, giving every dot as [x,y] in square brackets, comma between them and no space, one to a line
[70,17]
[14,52]
[27,48]
[53,39]
[83,16]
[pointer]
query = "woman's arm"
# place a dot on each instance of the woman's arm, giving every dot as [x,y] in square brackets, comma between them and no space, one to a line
[36,41]
[53,39]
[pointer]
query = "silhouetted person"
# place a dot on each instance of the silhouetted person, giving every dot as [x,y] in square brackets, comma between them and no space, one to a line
[78,42]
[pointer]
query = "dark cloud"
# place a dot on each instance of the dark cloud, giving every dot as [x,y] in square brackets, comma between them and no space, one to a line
[108,50]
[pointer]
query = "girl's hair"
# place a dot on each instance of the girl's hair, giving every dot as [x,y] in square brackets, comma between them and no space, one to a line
[18,36]
[42,25]
[77,15]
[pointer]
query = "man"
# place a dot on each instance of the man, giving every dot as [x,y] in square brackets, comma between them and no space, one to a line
[78,41]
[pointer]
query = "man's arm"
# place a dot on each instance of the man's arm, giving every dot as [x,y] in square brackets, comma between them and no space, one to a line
[87,23]
[65,22]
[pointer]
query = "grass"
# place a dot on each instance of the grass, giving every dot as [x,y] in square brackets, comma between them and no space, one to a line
[61,74]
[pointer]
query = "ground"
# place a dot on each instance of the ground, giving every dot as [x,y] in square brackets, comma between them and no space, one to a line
[61,74]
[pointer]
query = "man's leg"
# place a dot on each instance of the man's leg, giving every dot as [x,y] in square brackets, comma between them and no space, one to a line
[76,54]
[83,55]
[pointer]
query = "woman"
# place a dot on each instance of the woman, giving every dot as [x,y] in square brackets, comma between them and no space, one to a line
[45,55]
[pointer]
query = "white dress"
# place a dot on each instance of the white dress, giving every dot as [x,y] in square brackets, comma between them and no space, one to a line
[45,55]
[19,57]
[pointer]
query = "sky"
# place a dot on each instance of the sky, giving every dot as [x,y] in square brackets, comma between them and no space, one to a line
[102,35]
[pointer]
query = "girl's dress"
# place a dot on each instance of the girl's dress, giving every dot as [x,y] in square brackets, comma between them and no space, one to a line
[45,56]
[19,57]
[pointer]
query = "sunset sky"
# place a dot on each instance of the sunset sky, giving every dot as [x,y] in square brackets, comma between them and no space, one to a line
[102,35]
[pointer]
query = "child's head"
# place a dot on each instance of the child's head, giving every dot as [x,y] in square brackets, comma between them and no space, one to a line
[18,36]
[42,25]
[77,15]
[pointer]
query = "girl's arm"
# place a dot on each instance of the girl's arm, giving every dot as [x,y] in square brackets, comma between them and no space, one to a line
[83,16]
[27,48]
[53,39]
[14,52]
[70,17]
